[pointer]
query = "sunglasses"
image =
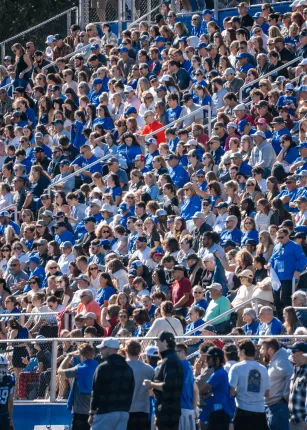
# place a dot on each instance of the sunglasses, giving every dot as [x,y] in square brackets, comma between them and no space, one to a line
[197,292]
[32,282]
[93,268]
[6,250]
[105,231]
[17,248]
[139,225]
[123,316]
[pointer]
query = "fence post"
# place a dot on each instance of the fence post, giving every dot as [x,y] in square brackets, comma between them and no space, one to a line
[68,21]
[2,51]
[121,6]
[209,121]
[81,13]
[149,9]
[216,9]
[53,371]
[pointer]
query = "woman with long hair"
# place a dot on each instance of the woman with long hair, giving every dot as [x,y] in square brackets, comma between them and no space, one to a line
[291,321]
[249,230]
[129,148]
[279,214]
[45,110]
[263,215]
[265,246]
[23,65]
[106,286]
[272,188]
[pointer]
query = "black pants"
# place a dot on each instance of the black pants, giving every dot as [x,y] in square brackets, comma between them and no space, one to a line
[5,423]
[80,422]
[282,297]
[44,381]
[250,420]
[218,420]
[138,420]
[168,421]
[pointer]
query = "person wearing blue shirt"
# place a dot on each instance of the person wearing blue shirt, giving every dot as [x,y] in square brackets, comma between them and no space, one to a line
[62,234]
[97,91]
[231,232]
[207,16]
[219,407]
[187,398]
[103,118]
[86,157]
[196,313]
[76,136]
[288,260]
[216,150]
[280,130]
[290,194]
[253,234]
[130,148]
[249,317]
[191,203]
[177,173]
[67,185]
[196,25]
[152,152]
[174,110]
[269,325]
[300,163]
[243,65]
[105,291]
[5,221]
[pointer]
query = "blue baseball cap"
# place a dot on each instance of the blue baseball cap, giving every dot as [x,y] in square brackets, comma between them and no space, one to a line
[241,56]
[123,49]
[301,88]
[159,39]
[258,15]
[144,37]
[94,46]
[130,110]
[123,207]
[241,125]
[97,81]
[33,259]
[201,45]
[302,145]
[136,263]
[183,38]
[4,213]
[104,242]
[200,172]
[207,12]
[160,88]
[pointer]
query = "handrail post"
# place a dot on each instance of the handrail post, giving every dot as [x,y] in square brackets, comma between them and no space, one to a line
[209,122]
[53,371]
[68,21]
[16,214]
[2,50]
[120,17]
[216,9]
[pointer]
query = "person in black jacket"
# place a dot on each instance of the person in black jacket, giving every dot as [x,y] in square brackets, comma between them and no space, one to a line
[112,391]
[167,384]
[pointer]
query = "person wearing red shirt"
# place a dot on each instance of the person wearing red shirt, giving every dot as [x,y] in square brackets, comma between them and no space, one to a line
[181,290]
[240,112]
[88,304]
[152,125]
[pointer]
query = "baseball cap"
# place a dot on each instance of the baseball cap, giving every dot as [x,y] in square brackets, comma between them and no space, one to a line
[144,37]
[199,215]
[123,49]
[42,241]
[8,57]
[106,207]
[214,351]
[59,214]
[179,267]
[152,141]
[60,224]
[34,259]
[239,107]
[83,278]
[232,124]
[57,37]
[38,338]
[191,142]
[130,109]
[251,242]
[241,125]
[38,149]
[136,263]
[161,212]
[303,62]
[97,81]
[123,207]
[139,157]
[151,351]
[278,119]
[182,39]
[201,45]
[261,121]
[96,202]
[49,39]
[65,162]
[289,87]
[171,157]
[236,155]
[94,46]
[39,134]
[104,242]
[258,15]
[298,346]
[230,243]
[186,97]
[215,286]
[159,39]
[89,315]
[111,342]
[280,79]
[221,205]
[38,53]
[229,71]
[302,145]
[241,56]
[200,172]
[66,245]
[259,133]
[207,12]
[112,160]
[301,199]
[262,103]
[141,239]
[89,219]
[302,87]
[160,88]
[246,273]
[4,213]
[47,213]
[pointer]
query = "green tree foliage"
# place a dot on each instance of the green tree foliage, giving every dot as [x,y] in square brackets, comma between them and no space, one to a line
[19,15]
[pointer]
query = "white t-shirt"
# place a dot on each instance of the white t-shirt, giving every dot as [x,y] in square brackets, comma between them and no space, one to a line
[251,380]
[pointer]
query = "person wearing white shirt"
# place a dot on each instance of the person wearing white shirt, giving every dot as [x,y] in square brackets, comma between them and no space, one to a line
[66,258]
[143,251]
[220,221]
[83,284]
[6,198]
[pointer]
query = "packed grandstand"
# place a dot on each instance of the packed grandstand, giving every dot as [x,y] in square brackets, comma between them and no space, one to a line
[153,221]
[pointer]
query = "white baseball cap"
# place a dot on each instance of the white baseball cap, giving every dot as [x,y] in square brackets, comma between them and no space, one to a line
[109,343]
[49,39]
[215,286]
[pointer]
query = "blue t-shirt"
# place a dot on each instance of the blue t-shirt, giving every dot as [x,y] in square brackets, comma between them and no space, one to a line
[104,294]
[187,393]
[253,234]
[173,114]
[115,191]
[201,304]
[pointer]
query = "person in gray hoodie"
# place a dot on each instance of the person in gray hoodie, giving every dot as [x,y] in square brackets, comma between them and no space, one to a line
[280,370]
[263,154]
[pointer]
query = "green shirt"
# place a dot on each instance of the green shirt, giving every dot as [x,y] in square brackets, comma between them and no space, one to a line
[217,307]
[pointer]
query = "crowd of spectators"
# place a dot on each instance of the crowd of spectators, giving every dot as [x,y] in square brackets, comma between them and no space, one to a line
[162,230]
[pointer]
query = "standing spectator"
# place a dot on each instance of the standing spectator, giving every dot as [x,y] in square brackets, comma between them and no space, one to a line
[167,384]
[280,371]
[80,393]
[249,382]
[112,390]
[181,290]
[298,387]
[288,260]
[139,411]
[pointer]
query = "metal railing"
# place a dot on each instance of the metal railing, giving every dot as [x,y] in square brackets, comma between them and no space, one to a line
[225,314]
[142,18]
[267,75]
[99,160]
[294,282]
[72,54]
[40,41]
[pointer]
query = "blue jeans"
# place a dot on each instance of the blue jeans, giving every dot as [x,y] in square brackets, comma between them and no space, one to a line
[111,421]
[277,416]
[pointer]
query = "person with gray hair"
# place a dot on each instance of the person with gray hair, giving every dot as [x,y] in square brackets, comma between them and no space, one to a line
[299,300]
[251,324]
[269,325]
[232,232]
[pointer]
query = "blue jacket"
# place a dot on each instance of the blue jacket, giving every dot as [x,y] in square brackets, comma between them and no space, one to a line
[94,97]
[129,152]
[77,139]
[286,259]
[106,122]
[276,139]
[66,236]
[179,176]
[190,207]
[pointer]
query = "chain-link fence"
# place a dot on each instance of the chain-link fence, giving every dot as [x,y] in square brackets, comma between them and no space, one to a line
[38,369]
[59,24]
